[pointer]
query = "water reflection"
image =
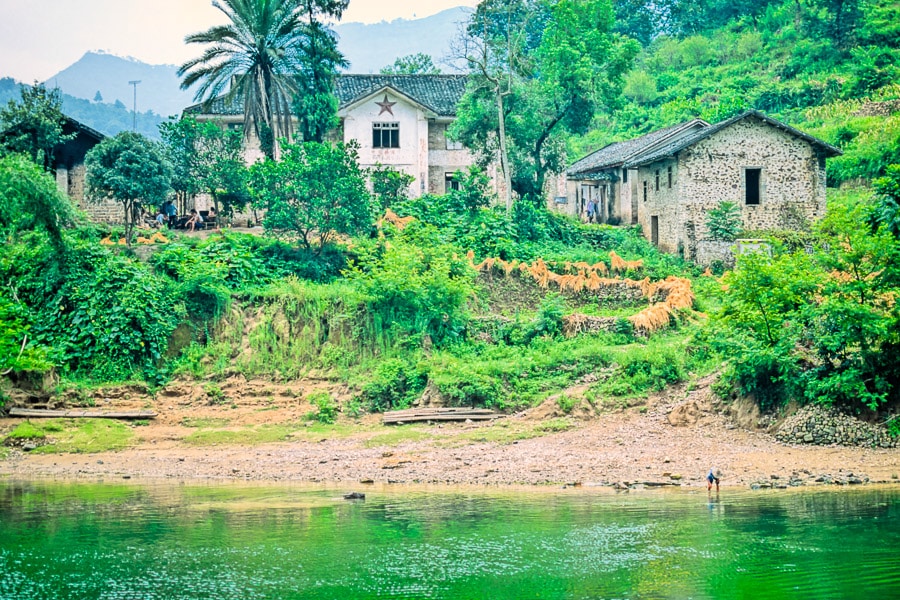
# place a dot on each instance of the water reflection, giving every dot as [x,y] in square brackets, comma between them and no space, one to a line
[106,541]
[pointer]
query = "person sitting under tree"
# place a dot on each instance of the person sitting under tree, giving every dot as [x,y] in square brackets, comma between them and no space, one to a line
[195,222]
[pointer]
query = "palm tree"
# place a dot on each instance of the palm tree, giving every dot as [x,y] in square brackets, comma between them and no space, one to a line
[257,54]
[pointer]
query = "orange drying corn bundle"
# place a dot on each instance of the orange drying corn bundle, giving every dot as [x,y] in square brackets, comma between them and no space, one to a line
[679,296]
[396,220]
[107,242]
[618,265]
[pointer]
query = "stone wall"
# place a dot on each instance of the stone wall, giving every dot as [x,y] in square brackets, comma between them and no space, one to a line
[709,251]
[663,203]
[821,426]
[792,182]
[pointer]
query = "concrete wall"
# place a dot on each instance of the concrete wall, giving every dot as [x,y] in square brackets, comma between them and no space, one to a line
[442,160]
[412,155]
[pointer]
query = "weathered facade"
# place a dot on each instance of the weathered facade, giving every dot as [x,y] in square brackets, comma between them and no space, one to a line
[668,180]
[399,121]
[68,166]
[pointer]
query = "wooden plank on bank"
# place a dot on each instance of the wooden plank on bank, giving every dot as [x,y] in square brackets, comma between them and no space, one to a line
[40,413]
[415,415]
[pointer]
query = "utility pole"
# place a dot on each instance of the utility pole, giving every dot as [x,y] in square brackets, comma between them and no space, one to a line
[134,106]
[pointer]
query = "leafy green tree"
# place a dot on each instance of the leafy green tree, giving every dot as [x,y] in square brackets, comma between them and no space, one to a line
[16,354]
[34,125]
[886,212]
[542,70]
[820,327]
[724,222]
[130,169]
[30,199]
[316,105]
[638,19]
[389,185]
[316,191]
[259,53]
[412,64]
[207,158]
[640,86]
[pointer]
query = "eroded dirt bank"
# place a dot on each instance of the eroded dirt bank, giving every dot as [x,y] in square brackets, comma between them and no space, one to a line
[640,445]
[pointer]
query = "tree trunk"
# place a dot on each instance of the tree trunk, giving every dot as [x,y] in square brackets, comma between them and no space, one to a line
[129,221]
[504,154]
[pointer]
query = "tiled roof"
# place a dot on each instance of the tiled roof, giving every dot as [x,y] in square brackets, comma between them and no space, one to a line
[681,143]
[616,154]
[439,93]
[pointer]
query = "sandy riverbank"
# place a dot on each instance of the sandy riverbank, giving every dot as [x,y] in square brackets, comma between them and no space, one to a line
[636,445]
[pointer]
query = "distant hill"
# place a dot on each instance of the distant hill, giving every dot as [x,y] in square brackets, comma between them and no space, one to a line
[371,47]
[108,74]
[107,118]
[367,47]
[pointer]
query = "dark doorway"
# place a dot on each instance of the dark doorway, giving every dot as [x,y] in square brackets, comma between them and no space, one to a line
[654,230]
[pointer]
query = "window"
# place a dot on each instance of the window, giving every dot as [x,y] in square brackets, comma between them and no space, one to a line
[385,135]
[450,182]
[751,185]
[657,181]
[452,145]
[670,176]
[645,191]
[624,175]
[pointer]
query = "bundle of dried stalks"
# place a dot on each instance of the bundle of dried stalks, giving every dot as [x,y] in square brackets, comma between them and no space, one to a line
[618,265]
[395,220]
[679,296]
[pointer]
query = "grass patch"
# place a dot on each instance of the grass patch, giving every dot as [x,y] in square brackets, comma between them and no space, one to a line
[205,423]
[506,432]
[76,436]
[27,431]
[398,435]
[4,453]
[249,436]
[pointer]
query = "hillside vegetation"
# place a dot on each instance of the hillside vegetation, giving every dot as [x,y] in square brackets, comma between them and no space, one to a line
[827,68]
[449,299]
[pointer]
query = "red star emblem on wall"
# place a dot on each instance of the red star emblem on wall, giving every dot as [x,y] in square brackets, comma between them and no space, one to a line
[386,106]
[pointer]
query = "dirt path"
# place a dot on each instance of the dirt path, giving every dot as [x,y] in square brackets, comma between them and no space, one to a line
[636,445]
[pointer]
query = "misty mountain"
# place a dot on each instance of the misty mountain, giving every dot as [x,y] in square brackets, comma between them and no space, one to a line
[108,74]
[107,118]
[371,47]
[368,48]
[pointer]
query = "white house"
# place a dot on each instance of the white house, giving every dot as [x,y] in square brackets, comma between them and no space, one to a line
[398,121]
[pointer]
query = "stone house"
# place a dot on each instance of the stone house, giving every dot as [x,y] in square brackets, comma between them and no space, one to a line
[68,162]
[668,180]
[68,167]
[399,121]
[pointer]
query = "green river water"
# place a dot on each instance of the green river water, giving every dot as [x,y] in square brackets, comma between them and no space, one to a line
[105,541]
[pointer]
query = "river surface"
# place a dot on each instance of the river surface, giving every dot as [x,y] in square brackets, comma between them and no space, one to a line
[217,541]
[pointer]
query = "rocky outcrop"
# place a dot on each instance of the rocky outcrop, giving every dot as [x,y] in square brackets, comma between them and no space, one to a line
[821,426]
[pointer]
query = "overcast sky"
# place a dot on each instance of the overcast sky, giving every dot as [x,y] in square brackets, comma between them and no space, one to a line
[39,38]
